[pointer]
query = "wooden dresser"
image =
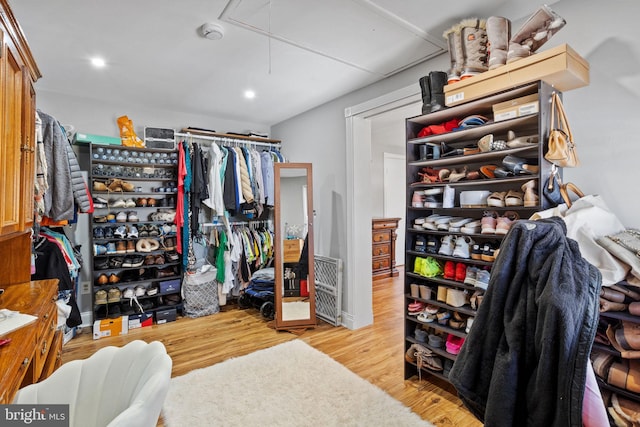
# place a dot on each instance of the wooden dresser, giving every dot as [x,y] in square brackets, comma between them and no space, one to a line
[383,263]
[35,350]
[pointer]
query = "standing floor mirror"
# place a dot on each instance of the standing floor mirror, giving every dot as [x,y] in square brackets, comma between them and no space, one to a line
[294,287]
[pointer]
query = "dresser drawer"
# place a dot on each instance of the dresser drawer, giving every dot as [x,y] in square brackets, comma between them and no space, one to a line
[54,357]
[44,340]
[391,224]
[381,236]
[379,250]
[381,264]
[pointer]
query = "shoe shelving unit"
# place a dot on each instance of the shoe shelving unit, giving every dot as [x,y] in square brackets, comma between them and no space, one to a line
[459,139]
[134,191]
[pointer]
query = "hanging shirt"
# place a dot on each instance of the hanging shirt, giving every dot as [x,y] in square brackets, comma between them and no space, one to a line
[267,177]
[214,178]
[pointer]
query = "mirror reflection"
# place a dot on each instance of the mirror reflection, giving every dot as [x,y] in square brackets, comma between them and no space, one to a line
[295,298]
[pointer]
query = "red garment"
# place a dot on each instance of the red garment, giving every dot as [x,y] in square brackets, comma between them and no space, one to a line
[179,220]
[438,129]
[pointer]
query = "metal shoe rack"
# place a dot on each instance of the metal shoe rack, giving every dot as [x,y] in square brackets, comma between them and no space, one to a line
[429,333]
[136,268]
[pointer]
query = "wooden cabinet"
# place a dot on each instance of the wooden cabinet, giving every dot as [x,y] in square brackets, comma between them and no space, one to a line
[18,72]
[383,248]
[34,351]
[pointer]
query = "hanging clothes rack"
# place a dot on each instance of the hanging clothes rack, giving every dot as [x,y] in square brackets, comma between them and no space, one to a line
[228,140]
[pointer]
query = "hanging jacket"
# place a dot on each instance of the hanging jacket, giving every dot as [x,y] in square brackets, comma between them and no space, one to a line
[58,199]
[81,193]
[524,360]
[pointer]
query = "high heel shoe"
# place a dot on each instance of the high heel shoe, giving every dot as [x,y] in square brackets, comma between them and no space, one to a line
[520,165]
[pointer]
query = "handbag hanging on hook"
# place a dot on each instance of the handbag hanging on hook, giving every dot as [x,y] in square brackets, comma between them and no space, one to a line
[562,149]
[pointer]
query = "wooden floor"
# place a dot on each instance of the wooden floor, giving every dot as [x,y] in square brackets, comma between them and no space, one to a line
[374,352]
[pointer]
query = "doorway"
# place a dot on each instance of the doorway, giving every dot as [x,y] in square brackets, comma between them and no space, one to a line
[359,143]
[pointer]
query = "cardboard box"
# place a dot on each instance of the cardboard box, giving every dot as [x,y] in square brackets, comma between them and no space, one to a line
[169,286]
[560,67]
[166,315]
[140,320]
[516,108]
[291,249]
[110,327]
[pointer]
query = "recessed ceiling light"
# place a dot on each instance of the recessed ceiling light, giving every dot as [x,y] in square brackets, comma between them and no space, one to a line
[249,94]
[98,62]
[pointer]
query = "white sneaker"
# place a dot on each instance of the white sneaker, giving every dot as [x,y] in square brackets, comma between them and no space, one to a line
[461,249]
[119,203]
[446,246]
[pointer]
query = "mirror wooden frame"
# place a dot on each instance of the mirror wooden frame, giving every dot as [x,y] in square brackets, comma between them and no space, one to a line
[280,236]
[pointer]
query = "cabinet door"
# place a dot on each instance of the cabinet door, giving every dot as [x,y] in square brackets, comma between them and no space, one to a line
[12,87]
[27,152]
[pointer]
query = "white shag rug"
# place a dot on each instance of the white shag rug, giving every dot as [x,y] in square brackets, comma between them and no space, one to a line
[291,384]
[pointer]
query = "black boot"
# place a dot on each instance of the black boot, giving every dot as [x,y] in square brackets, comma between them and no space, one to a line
[437,80]
[426,94]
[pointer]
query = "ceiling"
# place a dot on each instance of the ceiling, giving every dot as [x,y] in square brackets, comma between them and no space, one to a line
[295,54]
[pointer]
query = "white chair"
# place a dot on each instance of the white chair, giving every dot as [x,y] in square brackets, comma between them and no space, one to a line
[116,386]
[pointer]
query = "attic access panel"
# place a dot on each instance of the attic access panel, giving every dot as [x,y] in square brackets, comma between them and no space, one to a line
[357,33]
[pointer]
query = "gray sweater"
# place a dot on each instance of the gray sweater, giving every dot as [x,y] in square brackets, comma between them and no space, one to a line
[524,360]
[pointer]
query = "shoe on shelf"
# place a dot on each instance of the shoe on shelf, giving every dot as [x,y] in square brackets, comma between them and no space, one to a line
[121,217]
[482,280]
[449,270]
[476,251]
[520,165]
[121,231]
[496,199]
[133,232]
[504,222]
[488,222]
[432,245]
[461,249]
[461,272]
[98,233]
[99,202]
[446,245]
[470,276]
[101,297]
[132,216]
[118,203]
[488,252]
[129,203]
[102,279]
[473,227]
[521,141]
[513,198]
[531,198]
[113,295]
[430,267]
[121,247]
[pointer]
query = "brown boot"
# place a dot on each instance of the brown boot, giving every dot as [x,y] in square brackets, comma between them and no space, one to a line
[539,28]
[498,35]
[454,42]
[474,47]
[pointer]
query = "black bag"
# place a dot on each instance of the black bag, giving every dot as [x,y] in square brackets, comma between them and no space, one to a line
[551,189]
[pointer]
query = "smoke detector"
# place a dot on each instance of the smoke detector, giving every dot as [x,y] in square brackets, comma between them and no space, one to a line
[211,31]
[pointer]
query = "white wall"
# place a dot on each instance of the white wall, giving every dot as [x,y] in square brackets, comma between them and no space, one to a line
[603,117]
[89,116]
